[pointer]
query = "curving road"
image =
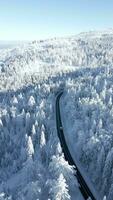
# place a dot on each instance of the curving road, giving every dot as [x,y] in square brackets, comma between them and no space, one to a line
[82,184]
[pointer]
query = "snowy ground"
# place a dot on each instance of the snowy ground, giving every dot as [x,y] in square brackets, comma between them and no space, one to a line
[32,165]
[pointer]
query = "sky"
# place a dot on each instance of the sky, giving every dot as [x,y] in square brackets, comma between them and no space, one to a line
[39,19]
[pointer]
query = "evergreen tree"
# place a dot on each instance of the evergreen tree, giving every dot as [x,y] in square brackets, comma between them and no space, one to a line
[107,172]
[30,148]
[110,194]
[59,189]
[99,167]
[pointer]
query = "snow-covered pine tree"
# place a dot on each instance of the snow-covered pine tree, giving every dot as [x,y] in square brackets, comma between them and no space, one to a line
[99,167]
[58,166]
[33,135]
[110,193]
[43,144]
[30,148]
[107,172]
[59,189]
[42,137]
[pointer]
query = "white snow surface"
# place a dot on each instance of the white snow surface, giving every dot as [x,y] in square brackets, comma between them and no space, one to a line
[32,164]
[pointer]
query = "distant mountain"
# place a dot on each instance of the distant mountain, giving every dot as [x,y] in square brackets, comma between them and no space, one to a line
[10,44]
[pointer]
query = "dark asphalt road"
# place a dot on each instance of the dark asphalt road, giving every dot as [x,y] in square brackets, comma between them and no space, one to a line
[86,192]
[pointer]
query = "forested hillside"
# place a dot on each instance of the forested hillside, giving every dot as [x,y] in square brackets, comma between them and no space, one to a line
[32,165]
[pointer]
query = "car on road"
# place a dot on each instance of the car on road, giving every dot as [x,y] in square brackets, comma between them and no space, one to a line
[61,128]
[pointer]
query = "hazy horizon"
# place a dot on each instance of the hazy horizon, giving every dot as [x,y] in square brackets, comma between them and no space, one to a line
[34,20]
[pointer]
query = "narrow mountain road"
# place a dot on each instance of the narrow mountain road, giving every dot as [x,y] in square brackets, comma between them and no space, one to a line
[82,184]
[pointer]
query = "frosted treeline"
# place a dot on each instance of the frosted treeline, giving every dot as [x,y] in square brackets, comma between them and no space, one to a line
[32,165]
[84,50]
[88,104]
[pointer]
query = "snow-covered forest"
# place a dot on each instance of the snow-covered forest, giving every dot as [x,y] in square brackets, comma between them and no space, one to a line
[32,165]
